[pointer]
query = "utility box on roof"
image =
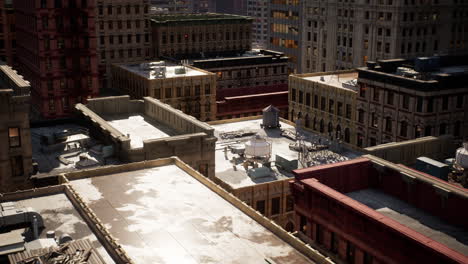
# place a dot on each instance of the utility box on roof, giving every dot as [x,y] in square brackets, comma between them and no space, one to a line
[432,167]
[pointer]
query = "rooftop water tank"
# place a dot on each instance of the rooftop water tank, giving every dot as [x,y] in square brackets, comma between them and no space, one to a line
[461,157]
[271,117]
[258,146]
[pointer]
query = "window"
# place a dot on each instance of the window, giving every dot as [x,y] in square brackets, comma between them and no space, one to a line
[275,206]
[460,101]
[289,203]
[404,129]
[443,129]
[17,168]
[14,137]
[334,243]
[374,120]
[348,111]
[322,103]
[330,106]
[261,206]
[361,116]
[350,253]
[319,234]
[405,101]
[390,98]
[376,94]
[445,101]
[430,105]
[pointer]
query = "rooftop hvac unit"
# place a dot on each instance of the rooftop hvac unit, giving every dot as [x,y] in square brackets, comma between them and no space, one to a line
[461,157]
[180,70]
[258,146]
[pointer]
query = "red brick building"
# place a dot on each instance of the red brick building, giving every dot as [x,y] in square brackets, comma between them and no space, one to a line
[56,53]
[369,210]
[7,32]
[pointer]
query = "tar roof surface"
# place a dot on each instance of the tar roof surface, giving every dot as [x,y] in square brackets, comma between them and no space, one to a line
[336,80]
[170,71]
[139,127]
[60,215]
[164,215]
[431,226]
[48,161]
[280,146]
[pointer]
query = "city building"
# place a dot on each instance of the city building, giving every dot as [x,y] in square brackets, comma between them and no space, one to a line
[346,34]
[61,67]
[325,103]
[123,31]
[237,7]
[262,181]
[368,210]
[406,99]
[182,6]
[15,150]
[248,82]
[149,129]
[189,89]
[258,10]
[7,32]
[160,211]
[185,36]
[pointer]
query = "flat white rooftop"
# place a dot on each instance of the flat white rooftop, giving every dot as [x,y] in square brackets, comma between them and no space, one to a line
[336,80]
[238,177]
[139,127]
[164,215]
[170,71]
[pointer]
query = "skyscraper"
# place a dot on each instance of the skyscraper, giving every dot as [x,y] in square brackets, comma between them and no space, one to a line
[258,10]
[342,34]
[57,53]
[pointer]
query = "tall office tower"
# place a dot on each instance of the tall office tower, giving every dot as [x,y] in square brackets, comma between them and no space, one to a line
[123,31]
[7,32]
[56,50]
[342,34]
[258,10]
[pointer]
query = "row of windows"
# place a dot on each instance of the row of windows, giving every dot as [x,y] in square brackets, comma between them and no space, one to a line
[422,16]
[119,24]
[64,4]
[418,102]
[338,110]
[285,43]
[130,53]
[118,9]
[200,37]
[120,39]
[260,205]
[182,92]
[253,72]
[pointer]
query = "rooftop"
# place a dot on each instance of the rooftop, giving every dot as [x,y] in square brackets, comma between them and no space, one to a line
[59,215]
[139,127]
[422,73]
[431,226]
[57,148]
[197,18]
[345,80]
[164,214]
[230,169]
[163,70]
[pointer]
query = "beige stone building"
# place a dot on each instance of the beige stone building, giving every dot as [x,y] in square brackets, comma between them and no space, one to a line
[149,129]
[189,89]
[184,36]
[332,35]
[325,103]
[123,34]
[15,150]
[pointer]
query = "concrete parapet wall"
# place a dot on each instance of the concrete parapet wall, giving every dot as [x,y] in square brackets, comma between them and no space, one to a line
[115,105]
[407,152]
[174,118]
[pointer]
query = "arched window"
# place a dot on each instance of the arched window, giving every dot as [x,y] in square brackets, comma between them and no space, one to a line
[321,126]
[330,128]
[456,129]
[404,129]
[307,121]
[443,129]
[315,124]
[347,135]
[338,132]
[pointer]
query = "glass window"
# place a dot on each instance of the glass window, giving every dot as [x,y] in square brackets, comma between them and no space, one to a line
[14,137]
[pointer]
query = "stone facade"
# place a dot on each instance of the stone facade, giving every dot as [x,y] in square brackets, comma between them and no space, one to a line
[15,150]
[392,108]
[123,34]
[194,142]
[8,35]
[325,106]
[193,94]
[185,36]
[333,35]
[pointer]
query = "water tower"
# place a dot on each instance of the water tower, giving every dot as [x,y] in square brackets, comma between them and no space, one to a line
[271,117]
